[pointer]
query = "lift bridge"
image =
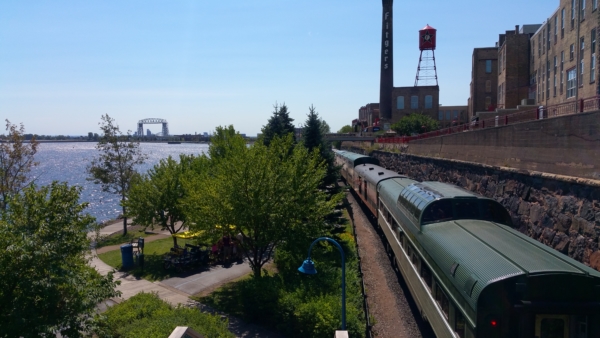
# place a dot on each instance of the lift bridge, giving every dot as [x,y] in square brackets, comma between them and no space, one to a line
[165,126]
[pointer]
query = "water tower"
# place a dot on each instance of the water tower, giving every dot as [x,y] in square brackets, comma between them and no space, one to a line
[426,71]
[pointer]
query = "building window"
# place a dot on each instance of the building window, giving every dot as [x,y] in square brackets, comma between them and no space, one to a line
[488,102]
[488,86]
[455,113]
[571,52]
[593,68]
[572,14]
[554,92]
[400,102]
[555,63]
[428,101]
[555,28]
[582,10]
[562,65]
[593,38]
[544,43]
[581,74]
[448,116]
[549,34]
[571,82]
[539,47]
[594,5]
[562,23]
[488,66]
[414,102]
[441,115]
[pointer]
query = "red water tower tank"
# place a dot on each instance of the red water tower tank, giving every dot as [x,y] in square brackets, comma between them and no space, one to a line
[427,38]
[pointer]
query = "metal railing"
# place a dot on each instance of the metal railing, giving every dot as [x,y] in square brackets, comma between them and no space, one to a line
[541,112]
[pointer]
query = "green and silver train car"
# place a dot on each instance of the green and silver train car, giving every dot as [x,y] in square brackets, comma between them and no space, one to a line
[472,275]
[348,161]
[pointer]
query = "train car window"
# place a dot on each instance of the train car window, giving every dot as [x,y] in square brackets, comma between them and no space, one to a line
[401,239]
[442,300]
[438,211]
[494,212]
[426,275]
[466,208]
[459,324]
[415,258]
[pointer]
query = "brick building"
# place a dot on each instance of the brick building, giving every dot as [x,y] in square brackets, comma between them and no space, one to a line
[452,115]
[563,54]
[513,66]
[416,99]
[368,115]
[484,80]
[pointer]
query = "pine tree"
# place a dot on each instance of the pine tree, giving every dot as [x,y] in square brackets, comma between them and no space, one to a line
[280,124]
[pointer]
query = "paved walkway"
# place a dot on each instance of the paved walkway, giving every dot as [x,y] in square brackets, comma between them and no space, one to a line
[174,290]
[177,290]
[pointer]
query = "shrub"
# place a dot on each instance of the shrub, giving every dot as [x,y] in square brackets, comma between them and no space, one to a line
[146,315]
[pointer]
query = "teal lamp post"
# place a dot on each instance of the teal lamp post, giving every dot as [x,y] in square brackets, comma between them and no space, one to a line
[308,267]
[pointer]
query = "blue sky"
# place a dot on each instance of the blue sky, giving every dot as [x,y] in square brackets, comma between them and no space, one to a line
[201,64]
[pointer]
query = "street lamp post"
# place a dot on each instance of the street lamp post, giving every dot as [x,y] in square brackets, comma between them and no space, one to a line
[308,267]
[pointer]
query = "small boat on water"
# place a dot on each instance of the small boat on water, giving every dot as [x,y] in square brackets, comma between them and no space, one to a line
[174,142]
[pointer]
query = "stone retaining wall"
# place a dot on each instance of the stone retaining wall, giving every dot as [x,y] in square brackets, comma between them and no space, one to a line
[560,211]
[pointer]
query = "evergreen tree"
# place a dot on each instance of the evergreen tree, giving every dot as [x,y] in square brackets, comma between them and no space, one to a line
[313,138]
[280,124]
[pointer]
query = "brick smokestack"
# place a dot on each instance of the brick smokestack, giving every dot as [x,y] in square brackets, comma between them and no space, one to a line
[387,63]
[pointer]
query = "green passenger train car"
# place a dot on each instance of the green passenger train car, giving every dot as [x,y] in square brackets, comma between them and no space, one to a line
[470,273]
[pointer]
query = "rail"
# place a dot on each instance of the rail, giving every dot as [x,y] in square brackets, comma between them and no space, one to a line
[541,112]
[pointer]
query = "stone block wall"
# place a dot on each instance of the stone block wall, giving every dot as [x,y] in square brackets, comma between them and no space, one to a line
[559,211]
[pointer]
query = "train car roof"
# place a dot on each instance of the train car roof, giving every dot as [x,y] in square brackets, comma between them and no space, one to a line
[474,254]
[374,173]
[357,159]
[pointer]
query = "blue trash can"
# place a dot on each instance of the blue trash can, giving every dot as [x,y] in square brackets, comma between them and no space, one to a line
[127,256]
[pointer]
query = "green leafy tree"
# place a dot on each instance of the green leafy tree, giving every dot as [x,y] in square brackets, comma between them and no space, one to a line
[279,125]
[114,168]
[346,129]
[268,194]
[46,284]
[16,161]
[155,198]
[414,123]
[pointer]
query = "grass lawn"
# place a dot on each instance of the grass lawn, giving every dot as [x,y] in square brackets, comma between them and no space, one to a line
[153,259]
[134,231]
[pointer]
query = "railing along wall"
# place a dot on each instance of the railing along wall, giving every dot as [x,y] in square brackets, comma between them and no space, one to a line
[541,112]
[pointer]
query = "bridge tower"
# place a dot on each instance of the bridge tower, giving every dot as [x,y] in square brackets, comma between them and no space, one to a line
[386,84]
[426,70]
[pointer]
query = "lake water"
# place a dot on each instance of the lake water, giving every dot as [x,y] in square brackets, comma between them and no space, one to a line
[67,162]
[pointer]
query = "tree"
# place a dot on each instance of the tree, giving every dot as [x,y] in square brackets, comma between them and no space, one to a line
[280,124]
[114,168]
[414,123]
[46,284]
[16,161]
[269,194]
[313,138]
[346,129]
[155,198]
